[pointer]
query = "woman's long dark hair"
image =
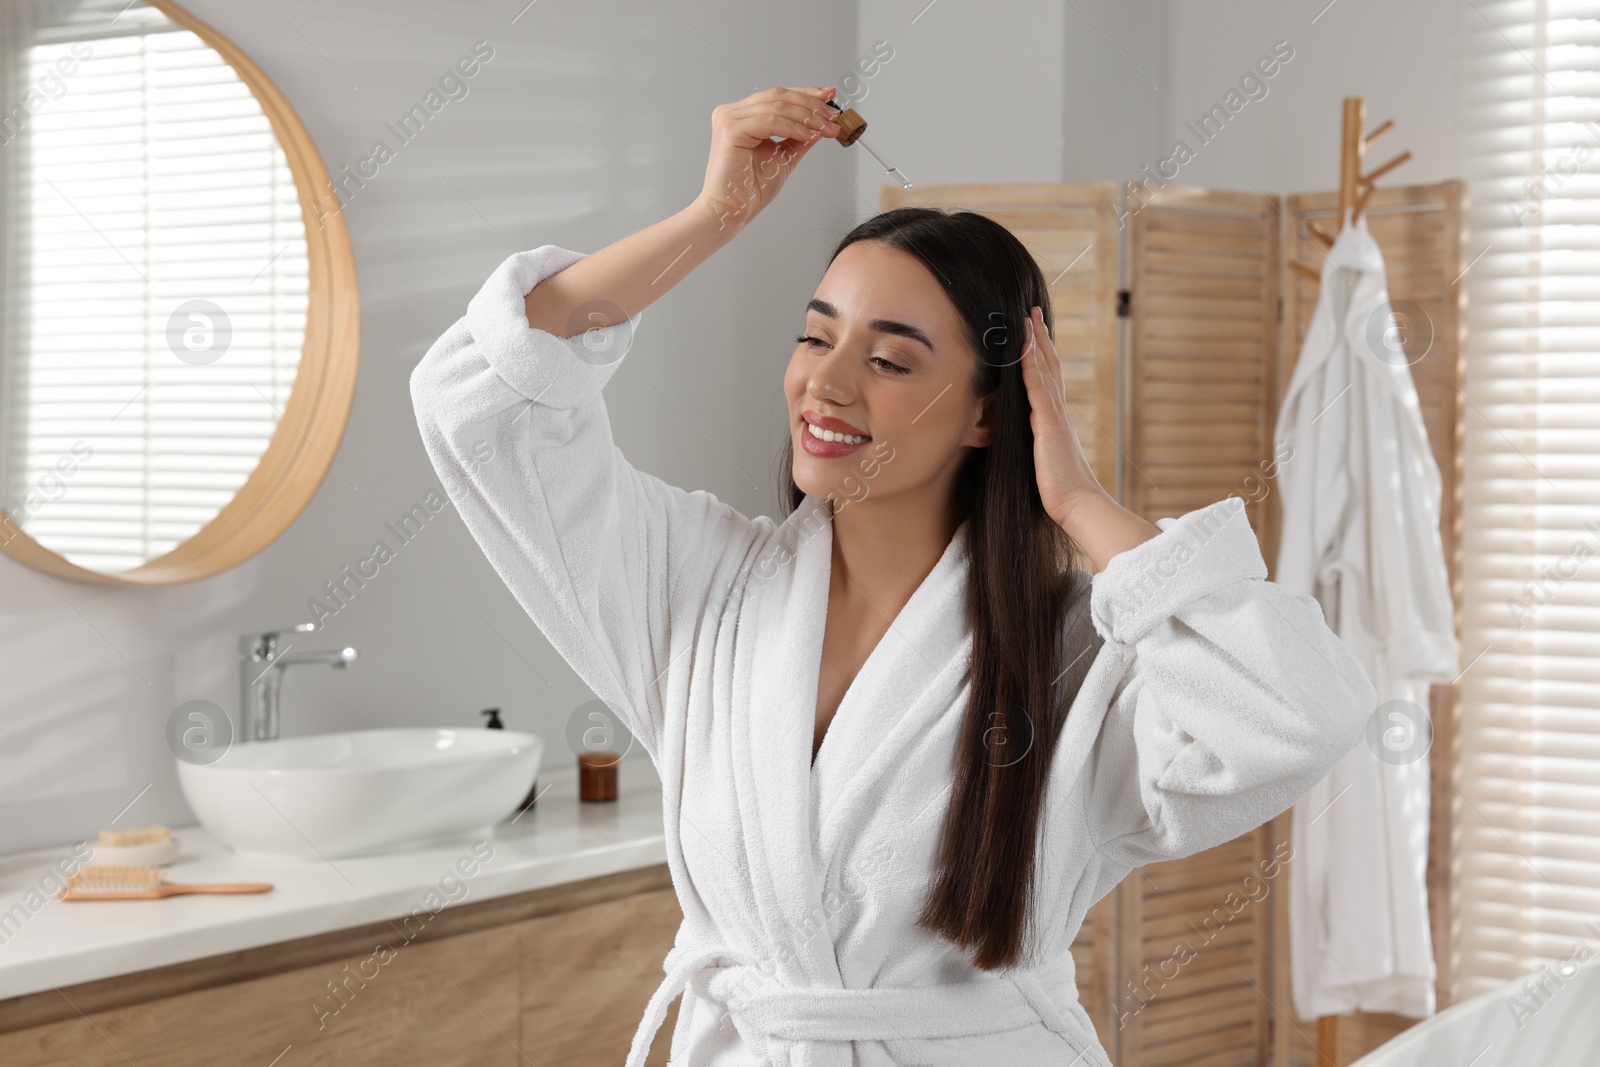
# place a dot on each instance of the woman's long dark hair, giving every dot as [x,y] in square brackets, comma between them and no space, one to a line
[1019,582]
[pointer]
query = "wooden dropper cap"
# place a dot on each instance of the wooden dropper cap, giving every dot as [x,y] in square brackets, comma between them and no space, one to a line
[851,124]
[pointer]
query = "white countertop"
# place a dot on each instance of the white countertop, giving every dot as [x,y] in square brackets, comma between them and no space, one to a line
[561,839]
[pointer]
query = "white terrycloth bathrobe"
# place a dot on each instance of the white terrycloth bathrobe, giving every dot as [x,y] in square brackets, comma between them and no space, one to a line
[1210,700]
[1361,495]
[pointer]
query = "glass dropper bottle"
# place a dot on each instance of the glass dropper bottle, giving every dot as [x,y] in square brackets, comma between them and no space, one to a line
[852,126]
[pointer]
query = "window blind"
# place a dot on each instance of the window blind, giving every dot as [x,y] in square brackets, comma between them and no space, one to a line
[1528,861]
[154,179]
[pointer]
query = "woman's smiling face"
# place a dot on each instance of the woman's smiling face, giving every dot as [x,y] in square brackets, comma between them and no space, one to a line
[887,359]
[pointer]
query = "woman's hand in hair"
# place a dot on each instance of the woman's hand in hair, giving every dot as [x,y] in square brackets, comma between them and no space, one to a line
[747,167]
[1065,477]
[1072,495]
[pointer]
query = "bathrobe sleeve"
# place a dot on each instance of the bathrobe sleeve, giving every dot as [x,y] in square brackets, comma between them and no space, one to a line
[609,561]
[1237,698]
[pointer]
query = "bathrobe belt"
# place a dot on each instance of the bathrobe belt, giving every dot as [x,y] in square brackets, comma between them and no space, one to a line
[898,1016]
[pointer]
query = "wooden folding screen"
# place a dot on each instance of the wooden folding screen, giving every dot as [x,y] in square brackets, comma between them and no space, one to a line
[1202,279]
[1199,360]
[1187,962]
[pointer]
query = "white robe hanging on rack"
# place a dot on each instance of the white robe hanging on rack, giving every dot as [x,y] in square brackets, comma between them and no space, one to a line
[1208,699]
[1360,503]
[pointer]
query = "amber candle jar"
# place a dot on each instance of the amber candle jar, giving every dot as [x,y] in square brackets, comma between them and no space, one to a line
[597,775]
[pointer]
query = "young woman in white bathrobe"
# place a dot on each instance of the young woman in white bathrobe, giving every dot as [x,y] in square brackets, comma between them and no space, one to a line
[905,738]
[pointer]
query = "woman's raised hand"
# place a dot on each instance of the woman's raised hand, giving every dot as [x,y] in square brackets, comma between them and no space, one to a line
[747,167]
[746,170]
[1063,471]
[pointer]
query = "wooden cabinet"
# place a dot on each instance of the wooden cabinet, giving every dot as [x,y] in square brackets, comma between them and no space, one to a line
[557,976]
[587,975]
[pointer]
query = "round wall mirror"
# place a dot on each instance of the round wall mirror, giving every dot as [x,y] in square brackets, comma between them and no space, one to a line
[178,312]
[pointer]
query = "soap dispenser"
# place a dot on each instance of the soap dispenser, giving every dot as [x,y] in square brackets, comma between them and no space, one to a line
[494,723]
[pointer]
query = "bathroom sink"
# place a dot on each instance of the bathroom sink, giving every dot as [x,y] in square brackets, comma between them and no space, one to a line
[361,791]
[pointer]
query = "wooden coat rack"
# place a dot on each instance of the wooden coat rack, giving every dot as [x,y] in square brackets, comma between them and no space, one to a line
[1355,188]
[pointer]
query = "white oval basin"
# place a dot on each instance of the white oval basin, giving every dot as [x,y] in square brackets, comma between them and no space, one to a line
[361,791]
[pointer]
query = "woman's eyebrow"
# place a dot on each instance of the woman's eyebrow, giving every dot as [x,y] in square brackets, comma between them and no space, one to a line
[899,329]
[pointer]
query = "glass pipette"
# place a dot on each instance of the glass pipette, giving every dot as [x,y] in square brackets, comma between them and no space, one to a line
[894,172]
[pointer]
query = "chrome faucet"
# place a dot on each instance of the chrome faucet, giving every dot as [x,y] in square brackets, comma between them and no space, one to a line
[263,659]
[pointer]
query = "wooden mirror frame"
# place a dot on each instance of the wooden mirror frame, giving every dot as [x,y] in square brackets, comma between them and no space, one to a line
[312,422]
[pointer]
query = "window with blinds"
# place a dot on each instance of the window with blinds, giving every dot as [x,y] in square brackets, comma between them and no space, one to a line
[149,179]
[1529,810]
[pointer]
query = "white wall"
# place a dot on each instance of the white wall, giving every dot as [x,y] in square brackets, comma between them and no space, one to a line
[1028,91]
[591,121]
[1402,58]
[1114,64]
[1098,89]
[964,98]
